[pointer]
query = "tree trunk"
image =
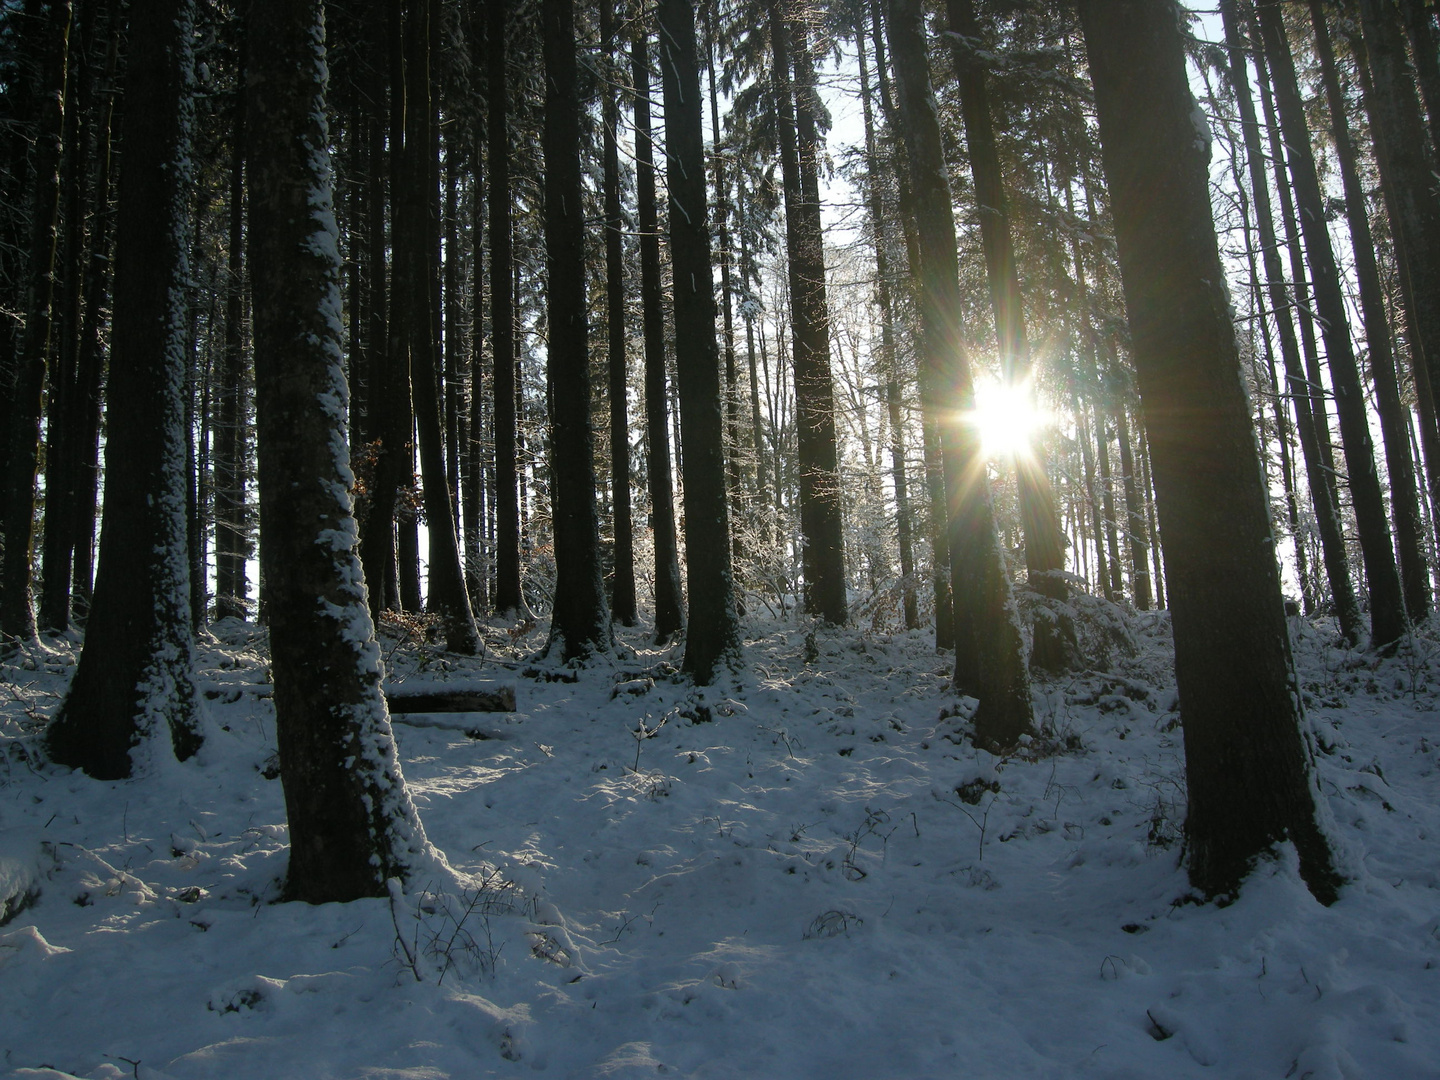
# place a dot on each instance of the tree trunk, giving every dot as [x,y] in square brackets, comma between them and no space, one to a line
[1044,551]
[416,245]
[1247,764]
[1394,420]
[507,599]
[1387,609]
[580,622]
[232,547]
[1311,424]
[134,678]
[823,543]
[713,636]
[352,824]
[669,607]
[17,617]
[889,362]
[622,586]
[989,650]
[1407,177]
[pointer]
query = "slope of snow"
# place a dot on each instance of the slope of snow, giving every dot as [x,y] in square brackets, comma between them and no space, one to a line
[808,872]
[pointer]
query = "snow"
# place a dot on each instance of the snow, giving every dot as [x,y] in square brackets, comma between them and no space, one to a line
[807,871]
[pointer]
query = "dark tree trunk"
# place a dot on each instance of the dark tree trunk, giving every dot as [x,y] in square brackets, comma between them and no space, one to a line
[1135,531]
[232,534]
[622,587]
[417,253]
[1247,765]
[1425,51]
[889,362]
[502,322]
[473,489]
[989,650]
[1044,551]
[90,363]
[352,824]
[669,606]
[713,635]
[17,617]
[133,681]
[1311,424]
[1387,609]
[1394,418]
[822,535]
[1407,175]
[929,423]
[580,622]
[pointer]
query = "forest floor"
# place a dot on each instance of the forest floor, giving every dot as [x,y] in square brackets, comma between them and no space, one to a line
[806,872]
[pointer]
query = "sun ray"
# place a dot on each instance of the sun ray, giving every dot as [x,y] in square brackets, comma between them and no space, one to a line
[1007,419]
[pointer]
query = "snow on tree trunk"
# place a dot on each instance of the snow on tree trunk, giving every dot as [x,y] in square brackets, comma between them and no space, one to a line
[1248,768]
[352,824]
[134,676]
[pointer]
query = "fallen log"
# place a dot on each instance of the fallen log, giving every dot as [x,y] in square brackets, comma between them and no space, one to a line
[499,698]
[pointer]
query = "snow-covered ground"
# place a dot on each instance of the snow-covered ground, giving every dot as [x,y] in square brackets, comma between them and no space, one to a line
[808,872]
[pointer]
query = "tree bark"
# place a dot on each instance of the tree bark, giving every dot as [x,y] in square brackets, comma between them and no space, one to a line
[989,650]
[580,621]
[622,585]
[1394,420]
[352,824]
[822,537]
[669,607]
[1247,764]
[17,616]
[1387,608]
[712,638]
[134,681]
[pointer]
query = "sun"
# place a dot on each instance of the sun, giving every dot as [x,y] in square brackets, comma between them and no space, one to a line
[1007,418]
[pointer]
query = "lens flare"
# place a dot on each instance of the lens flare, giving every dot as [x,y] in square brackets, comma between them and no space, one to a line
[1007,418]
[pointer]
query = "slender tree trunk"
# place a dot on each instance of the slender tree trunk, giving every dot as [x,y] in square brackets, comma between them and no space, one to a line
[417,252]
[712,638]
[17,617]
[669,607]
[90,363]
[989,652]
[1247,765]
[1044,550]
[1407,166]
[352,824]
[580,622]
[823,546]
[1135,531]
[502,322]
[1394,422]
[134,680]
[1310,423]
[622,587]
[1387,610]
[231,531]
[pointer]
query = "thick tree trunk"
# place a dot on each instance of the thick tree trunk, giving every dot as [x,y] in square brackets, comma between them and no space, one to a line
[713,635]
[989,650]
[823,543]
[133,681]
[1387,608]
[352,824]
[669,607]
[1247,764]
[580,622]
